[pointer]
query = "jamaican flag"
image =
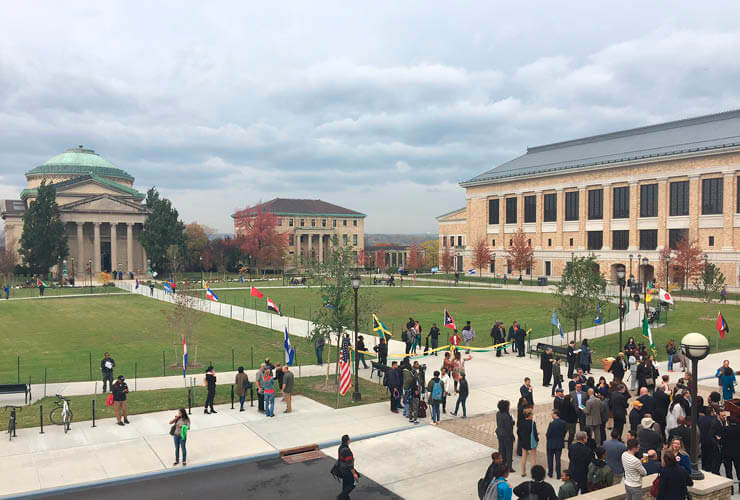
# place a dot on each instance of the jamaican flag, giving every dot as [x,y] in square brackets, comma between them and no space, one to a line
[379,327]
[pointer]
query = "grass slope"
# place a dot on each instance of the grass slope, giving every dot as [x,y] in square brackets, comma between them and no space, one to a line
[62,334]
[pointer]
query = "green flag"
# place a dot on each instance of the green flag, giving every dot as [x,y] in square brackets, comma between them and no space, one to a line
[647,332]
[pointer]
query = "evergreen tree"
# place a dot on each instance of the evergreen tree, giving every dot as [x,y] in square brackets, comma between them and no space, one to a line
[162,229]
[43,242]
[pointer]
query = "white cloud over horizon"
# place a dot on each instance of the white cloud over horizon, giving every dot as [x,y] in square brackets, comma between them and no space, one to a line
[382,108]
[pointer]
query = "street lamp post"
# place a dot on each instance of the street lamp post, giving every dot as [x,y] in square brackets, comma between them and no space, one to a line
[639,276]
[73,271]
[356,396]
[620,278]
[494,267]
[644,264]
[631,265]
[89,269]
[202,283]
[694,346]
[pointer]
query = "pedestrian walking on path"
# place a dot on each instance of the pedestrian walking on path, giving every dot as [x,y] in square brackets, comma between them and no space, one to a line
[120,407]
[346,469]
[468,335]
[179,432]
[106,367]
[360,348]
[462,396]
[505,433]
[242,384]
[436,389]
[210,382]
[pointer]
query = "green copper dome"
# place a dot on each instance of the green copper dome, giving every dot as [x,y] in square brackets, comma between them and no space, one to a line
[80,161]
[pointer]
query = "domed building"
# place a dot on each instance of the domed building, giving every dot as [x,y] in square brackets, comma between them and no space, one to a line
[102,212]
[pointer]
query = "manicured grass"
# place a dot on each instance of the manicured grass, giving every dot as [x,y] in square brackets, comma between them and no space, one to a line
[55,291]
[684,318]
[171,399]
[63,335]
[480,307]
[513,279]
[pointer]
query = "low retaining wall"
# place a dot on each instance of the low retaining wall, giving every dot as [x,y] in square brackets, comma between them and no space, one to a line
[712,487]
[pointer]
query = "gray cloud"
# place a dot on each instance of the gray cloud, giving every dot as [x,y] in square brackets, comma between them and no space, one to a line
[382,108]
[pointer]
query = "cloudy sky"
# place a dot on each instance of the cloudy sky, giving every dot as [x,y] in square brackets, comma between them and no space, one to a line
[381,107]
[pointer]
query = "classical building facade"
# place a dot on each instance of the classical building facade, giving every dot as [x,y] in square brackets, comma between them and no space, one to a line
[310,226]
[622,196]
[102,212]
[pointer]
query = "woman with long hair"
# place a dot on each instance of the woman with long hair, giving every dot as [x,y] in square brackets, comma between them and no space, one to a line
[674,480]
[529,439]
[505,433]
[179,431]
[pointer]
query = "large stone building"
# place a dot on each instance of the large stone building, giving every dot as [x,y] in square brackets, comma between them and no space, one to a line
[102,212]
[623,196]
[310,226]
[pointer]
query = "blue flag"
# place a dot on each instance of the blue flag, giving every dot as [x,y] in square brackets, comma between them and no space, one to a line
[242,279]
[289,351]
[597,320]
[556,322]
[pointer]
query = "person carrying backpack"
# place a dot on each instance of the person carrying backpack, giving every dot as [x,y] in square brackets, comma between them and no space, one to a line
[600,475]
[436,390]
[537,489]
[499,488]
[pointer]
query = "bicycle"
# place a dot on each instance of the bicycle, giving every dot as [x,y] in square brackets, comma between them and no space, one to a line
[61,414]
[12,421]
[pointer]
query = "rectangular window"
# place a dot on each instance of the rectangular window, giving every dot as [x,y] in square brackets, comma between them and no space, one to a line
[571,242]
[711,241]
[493,211]
[291,240]
[679,195]
[675,236]
[354,239]
[493,243]
[452,241]
[444,241]
[344,239]
[334,223]
[648,239]
[621,202]
[530,209]
[548,268]
[323,222]
[711,196]
[549,242]
[595,240]
[279,221]
[354,222]
[620,240]
[571,205]
[302,222]
[313,222]
[511,210]
[737,190]
[649,200]
[344,222]
[595,204]
[290,222]
[550,207]
[459,241]
[492,264]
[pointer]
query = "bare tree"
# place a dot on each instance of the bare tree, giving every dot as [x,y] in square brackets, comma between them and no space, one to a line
[8,261]
[182,319]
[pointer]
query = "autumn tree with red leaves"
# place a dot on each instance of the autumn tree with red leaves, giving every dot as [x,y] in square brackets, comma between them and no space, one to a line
[481,255]
[688,262]
[416,258]
[259,238]
[446,260]
[520,252]
[361,258]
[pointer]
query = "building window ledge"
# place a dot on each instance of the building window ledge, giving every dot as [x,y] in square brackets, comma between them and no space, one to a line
[711,221]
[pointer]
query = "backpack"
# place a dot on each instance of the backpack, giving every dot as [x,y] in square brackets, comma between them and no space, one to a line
[422,410]
[405,336]
[530,495]
[437,391]
[492,489]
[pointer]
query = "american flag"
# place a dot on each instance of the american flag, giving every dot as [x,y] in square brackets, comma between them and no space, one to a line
[345,371]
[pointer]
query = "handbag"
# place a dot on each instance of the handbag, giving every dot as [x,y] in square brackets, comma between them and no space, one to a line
[650,381]
[335,471]
[109,400]
[173,429]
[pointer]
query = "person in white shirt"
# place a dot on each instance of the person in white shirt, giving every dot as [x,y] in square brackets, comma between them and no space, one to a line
[633,470]
[446,388]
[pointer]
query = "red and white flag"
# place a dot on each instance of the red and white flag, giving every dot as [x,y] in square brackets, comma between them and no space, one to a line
[345,368]
[256,293]
[665,296]
[449,321]
[271,306]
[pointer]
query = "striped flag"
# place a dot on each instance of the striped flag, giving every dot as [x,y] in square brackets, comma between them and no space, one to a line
[379,327]
[722,326]
[345,370]
[271,306]
[210,295]
[184,358]
[646,331]
[289,350]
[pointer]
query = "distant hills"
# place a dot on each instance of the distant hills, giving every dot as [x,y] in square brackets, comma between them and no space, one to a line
[398,239]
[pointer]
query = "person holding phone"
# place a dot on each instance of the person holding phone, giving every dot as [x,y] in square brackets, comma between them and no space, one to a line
[179,431]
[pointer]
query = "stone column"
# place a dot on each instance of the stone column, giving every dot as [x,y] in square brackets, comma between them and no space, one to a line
[694,206]
[634,215]
[299,250]
[321,248]
[607,216]
[662,215]
[96,247]
[113,246]
[728,211]
[129,247]
[80,247]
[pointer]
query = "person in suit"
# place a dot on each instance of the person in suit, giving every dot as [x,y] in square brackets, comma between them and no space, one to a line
[579,399]
[710,429]
[546,361]
[505,433]
[555,442]
[572,356]
[526,390]
[580,456]
[662,402]
[593,416]
[619,402]
[513,329]
[521,336]
[648,402]
[568,414]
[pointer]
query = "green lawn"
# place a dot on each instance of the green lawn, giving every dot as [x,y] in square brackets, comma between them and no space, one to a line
[465,278]
[63,335]
[55,291]
[480,307]
[171,399]
[684,318]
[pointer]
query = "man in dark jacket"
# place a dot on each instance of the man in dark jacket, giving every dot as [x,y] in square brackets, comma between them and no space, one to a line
[682,431]
[106,367]
[618,368]
[394,384]
[527,391]
[382,350]
[512,335]
[571,358]
[619,404]
[731,447]
[710,429]
[538,487]
[580,456]
[211,386]
[546,367]
[434,337]
[521,336]
[649,438]
[662,402]
[120,406]
[555,442]
[648,402]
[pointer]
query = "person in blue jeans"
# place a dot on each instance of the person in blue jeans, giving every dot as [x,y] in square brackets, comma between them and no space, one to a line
[181,424]
[268,387]
[670,350]
[462,396]
[436,390]
[318,345]
[7,292]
